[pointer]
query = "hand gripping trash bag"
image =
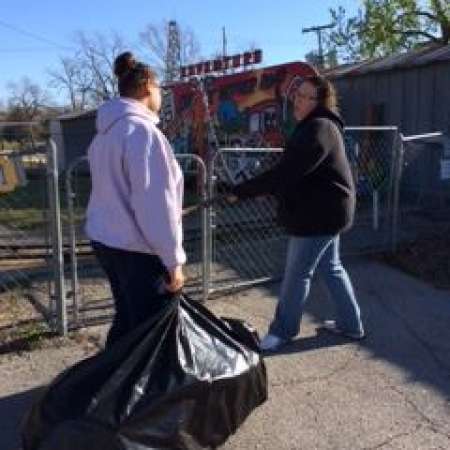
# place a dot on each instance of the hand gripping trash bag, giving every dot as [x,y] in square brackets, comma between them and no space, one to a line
[183,380]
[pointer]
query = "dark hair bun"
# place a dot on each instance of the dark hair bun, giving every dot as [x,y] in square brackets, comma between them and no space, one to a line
[123,64]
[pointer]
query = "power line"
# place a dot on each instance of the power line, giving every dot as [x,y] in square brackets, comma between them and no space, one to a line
[25,50]
[33,36]
[224,47]
[319,30]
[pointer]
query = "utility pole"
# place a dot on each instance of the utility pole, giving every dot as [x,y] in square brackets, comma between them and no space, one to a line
[224,42]
[224,48]
[319,30]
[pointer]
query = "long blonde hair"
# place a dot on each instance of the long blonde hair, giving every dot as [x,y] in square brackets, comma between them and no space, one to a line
[326,92]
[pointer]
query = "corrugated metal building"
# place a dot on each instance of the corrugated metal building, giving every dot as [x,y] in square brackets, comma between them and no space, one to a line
[72,134]
[410,90]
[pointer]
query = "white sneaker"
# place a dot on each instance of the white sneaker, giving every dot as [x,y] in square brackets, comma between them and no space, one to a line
[271,342]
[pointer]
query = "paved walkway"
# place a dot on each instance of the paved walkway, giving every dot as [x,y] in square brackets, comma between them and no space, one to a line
[392,391]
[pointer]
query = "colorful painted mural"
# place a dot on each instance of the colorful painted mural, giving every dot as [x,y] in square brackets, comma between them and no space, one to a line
[246,109]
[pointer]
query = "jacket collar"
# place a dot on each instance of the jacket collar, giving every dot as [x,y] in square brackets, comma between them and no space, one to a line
[322,112]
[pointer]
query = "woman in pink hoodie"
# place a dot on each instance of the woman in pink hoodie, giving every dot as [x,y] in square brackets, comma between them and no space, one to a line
[134,216]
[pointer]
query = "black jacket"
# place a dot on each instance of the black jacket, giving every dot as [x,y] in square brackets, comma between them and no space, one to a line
[312,182]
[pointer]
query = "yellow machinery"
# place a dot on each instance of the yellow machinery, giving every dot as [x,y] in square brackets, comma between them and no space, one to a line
[12,174]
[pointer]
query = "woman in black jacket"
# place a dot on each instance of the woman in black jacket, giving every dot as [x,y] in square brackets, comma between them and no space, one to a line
[315,194]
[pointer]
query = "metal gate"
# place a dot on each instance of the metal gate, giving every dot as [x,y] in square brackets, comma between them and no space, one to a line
[30,253]
[248,246]
[89,296]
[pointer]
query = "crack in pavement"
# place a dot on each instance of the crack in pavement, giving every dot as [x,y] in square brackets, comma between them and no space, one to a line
[432,425]
[328,376]
[391,439]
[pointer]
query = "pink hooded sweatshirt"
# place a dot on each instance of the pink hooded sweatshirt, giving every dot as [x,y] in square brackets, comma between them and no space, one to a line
[137,185]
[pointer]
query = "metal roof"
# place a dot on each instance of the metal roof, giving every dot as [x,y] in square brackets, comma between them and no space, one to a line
[424,55]
[77,115]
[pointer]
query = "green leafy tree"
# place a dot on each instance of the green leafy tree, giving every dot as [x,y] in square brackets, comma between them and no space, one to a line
[383,27]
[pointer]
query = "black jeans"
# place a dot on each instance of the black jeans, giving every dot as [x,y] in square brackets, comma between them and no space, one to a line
[136,280]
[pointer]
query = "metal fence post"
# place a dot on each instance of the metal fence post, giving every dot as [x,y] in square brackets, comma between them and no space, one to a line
[375,210]
[206,267]
[390,197]
[56,237]
[396,194]
[208,223]
[73,239]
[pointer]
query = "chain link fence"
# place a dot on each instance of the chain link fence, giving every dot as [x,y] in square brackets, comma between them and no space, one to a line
[402,188]
[27,224]
[231,245]
[423,187]
[248,246]
[373,153]
[227,245]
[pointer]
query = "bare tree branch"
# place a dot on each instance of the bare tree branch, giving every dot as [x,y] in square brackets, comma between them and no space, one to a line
[27,99]
[427,14]
[154,39]
[97,54]
[73,80]
[429,36]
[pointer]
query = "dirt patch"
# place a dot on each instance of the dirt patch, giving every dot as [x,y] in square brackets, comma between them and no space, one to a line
[23,328]
[426,257]
[20,324]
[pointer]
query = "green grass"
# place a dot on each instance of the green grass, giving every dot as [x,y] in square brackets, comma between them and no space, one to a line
[23,219]
[26,208]
[25,338]
[6,144]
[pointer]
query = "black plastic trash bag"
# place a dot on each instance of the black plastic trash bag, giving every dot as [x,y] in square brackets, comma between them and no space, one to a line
[183,380]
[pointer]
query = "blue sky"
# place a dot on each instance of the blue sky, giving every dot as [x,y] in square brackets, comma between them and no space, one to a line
[274,26]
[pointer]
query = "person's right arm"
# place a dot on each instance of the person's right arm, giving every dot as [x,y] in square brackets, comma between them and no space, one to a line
[263,184]
[309,150]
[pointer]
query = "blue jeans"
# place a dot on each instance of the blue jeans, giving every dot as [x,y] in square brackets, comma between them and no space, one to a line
[304,255]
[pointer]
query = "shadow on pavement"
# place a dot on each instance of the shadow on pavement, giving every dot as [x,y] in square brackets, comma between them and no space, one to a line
[12,411]
[322,339]
[406,322]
